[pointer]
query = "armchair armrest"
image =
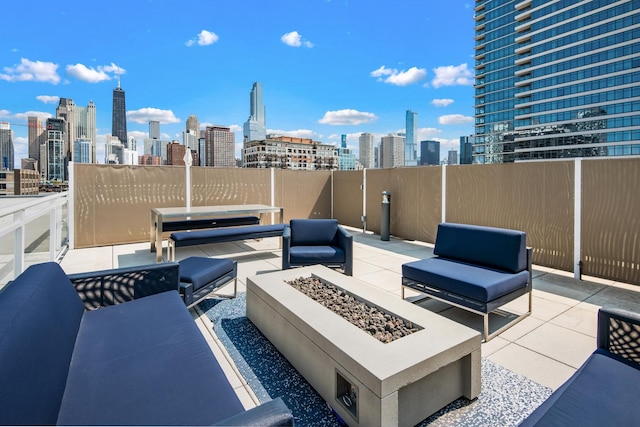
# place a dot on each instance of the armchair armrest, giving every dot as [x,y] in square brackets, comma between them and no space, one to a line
[286,247]
[619,333]
[110,287]
[271,413]
[345,241]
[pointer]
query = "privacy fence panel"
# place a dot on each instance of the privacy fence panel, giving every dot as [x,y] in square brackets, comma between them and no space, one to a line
[229,186]
[303,194]
[611,219]
[347,197]
[533,197]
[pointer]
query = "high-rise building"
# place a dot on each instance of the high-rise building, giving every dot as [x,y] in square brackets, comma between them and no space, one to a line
[82,150]
[366,146]
[114,151]
[80,123]
[452,157]
[6,146]
[193,124]
[36,136]
[429,153]
[466,147]
[56,160]
[392,149]
[119,115]
[411,132]
[154,129]
[556,80]
[176,152]
[255,126]
[219,147]
[346,158]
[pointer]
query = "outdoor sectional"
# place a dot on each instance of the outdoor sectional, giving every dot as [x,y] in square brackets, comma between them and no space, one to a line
[604,390]
[476,268]
[138,360]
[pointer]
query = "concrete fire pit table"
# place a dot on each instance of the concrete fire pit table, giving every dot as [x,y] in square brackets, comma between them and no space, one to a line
[367,382]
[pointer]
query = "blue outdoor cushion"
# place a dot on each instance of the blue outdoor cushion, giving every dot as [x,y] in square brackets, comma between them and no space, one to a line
[480,284]
[34,358]
[309,232]
[201,271]
[227,234]
[316,255]
[488,246]
[602,392]
[145,362]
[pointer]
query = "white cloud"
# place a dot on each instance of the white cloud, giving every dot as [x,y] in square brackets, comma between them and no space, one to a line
[145,115]
[48,99]
[442,102]
[427,133]
[204,38]
[451,75]
[5,113]
[236,128]
[299,133]
[399,78]
[27,114]
[36,71]
[347,117]
[138,134]
[294,39]
[93,75]
[454,119]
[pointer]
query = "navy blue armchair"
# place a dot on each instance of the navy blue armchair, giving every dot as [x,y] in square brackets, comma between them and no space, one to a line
[317,241]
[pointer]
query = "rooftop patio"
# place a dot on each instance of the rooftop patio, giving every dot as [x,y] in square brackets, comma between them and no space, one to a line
[547,347]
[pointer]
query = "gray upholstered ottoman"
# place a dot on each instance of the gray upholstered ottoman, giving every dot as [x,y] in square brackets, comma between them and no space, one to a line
[200,276]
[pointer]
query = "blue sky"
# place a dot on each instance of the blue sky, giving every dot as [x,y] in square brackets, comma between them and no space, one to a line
[327,67]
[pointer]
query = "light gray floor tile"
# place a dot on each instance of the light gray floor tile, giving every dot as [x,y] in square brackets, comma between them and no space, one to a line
[558,343]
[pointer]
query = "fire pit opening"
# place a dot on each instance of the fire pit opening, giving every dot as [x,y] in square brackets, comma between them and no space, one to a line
[385,327]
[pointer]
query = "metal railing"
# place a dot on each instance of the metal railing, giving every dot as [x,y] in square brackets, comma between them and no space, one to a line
[32,230]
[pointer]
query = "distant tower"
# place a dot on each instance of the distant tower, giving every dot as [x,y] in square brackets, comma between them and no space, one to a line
[255,126]
[429,153]
[392,151]
[154,129]
[37,136]
[66,110]
[367,154]
[193,125]
[411,130]
[466,146]
[6,146]
[219,147]
[119,115]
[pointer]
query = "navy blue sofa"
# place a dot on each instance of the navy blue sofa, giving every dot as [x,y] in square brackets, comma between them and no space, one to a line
[476,268]
[135,362]
[317,241]
[605,389]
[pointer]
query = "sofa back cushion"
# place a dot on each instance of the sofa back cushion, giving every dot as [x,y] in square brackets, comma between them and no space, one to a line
[311,232]
[40,314]
[498,248]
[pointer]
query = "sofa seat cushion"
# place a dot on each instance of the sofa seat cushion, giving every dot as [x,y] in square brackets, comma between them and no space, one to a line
[602,392]
[316,255]
[201,271]
[145,362]
[478,283]
[227,234]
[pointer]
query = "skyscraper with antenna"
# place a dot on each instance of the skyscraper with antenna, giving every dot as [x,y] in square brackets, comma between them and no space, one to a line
[119,115]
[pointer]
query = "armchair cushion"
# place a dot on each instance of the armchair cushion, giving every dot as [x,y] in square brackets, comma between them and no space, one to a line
[316,254]
[201,271]
[305,232]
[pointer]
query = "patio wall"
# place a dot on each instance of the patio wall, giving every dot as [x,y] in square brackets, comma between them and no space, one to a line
[112,203]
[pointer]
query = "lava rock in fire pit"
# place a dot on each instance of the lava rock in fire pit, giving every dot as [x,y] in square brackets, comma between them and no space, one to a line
[383,326]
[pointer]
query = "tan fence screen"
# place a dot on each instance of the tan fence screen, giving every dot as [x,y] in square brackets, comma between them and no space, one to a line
[533,197]
[611,219]
[303,194]
[113,203]
[347,197]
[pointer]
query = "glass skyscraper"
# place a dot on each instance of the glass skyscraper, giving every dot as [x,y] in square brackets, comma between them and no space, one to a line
[119,116]
[556,79]
[411,131]
[255,127]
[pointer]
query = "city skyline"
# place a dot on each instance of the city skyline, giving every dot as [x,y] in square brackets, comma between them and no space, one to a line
[317,83]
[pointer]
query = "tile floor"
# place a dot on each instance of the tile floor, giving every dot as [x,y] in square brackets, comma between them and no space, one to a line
[546,347]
